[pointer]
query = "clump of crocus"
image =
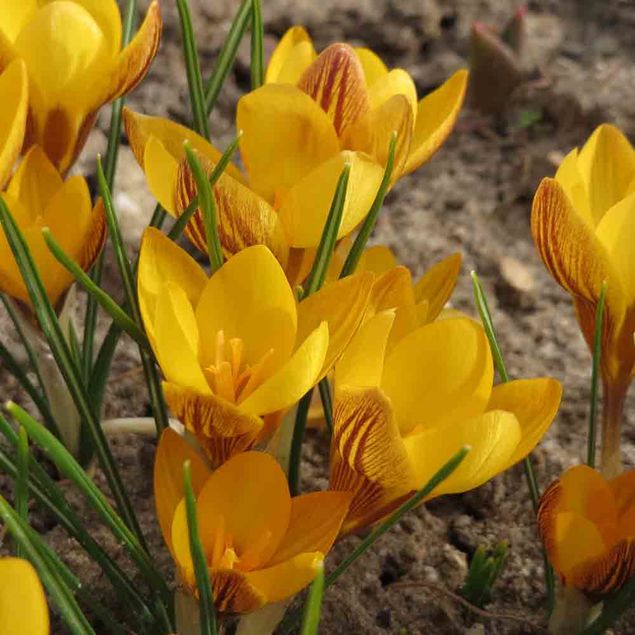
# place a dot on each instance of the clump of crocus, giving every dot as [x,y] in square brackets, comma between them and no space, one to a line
[75,65]
[583,223]
[587,525]
[496,63]
[237,349]
[298,133]
[37,196]
[23,609]
[404,405]
[261,545]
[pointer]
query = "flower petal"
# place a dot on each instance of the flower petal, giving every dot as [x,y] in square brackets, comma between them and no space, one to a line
[372,132]
[106,14]
[607,165]
[570,177]
[373,66]
[13,112]
[342,305]
[300,372]
[259,516]
[293,55]
[395,82]
[315,522]
[335,81]
[306,205]
[440,373]
[172,452]
[249,298]
[35,182]
[492,438]
[368,457]
[535,403]
[362,363]
[377,259]
[220,428]
[162,260]
[23,608]
[285,136]
[287,578]
[437,283]
[436,115]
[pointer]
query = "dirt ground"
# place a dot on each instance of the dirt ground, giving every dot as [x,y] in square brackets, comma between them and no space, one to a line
[473,197]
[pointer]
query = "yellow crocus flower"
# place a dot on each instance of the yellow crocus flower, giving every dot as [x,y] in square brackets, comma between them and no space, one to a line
[23,608]
[587,525]
[364,100]
[583,223]
[262,546]
[403,408]
[71,49]
[14,107]
[38,197]
[237,349]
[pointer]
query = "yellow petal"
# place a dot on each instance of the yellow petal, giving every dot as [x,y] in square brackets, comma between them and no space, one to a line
[377,259]
[374,68]
[615,231]
[623,489]
[13,112]
[23,609]
[535,403]
[335,81]
[492,438]
[395,82]
[13,16]
[372,132]
[570,177]
[249,298]
[314,524]
[293,55]
[106,14]
[131,64]
[368,457]
[162,260]
[258,516]
[172,452]
[284,580]
[244,218]
[436,115]
[306,206]
[607,165]
[342,305]
[440,373]
[437,283]
[294,378]
[362,363]
[285,136]
[176,339]
[220,428]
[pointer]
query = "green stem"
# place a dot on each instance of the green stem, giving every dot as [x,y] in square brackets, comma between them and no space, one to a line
[257,48]
[295,455]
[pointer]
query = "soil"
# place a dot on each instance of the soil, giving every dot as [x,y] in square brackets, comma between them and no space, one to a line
[473,197]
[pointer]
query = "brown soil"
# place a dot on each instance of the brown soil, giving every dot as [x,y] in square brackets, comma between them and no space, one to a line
[474,197]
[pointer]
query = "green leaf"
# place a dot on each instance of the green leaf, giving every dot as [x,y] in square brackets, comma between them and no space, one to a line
[257,48]
[327,403]
[63,597]
[532,484]
[107,303]
[352,260]
[595,376]
[227,55]
[22,483]
[193,70]
[295,454]
[201,570]
[328,240]
[313,606]
[216,173]
[69,467]
[207,203]
[72,376]
[484,570]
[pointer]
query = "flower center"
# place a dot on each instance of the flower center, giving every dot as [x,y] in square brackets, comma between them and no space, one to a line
[229,377]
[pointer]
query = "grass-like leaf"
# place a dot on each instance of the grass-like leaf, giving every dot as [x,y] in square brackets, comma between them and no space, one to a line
[295,452]
[22,483]
[193,70]
[532,484]
[227,55]
[595,377]
[327,403]
[313,606]
[201,570]
[257,47]
[352,259]
[207,203]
